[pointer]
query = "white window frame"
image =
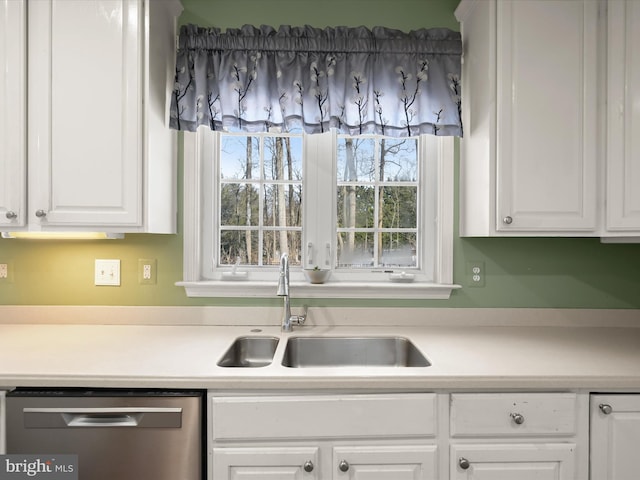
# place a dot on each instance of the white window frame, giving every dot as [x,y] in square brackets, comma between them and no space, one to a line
[433,280]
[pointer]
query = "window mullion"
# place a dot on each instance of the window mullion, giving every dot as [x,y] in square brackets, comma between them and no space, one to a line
[319,201]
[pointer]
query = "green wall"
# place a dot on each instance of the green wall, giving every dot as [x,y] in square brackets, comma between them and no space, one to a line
[520,272]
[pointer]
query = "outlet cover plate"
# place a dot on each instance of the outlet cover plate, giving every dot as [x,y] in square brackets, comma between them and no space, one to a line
[6,272]
[147,271]
[475,274]
[107,272]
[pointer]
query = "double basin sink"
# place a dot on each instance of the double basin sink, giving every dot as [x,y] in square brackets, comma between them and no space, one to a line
[303,352]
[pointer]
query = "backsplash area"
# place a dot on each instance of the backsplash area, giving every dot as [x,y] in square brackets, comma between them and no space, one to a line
[554,273]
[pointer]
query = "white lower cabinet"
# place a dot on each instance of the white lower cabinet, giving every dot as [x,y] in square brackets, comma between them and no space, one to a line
[502,436]
[615,436]
[324,437]
[401,436]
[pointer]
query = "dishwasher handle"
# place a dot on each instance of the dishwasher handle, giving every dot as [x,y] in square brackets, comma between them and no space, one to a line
[101,417]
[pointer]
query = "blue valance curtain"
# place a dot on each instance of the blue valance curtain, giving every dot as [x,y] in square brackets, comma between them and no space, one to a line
[356,80]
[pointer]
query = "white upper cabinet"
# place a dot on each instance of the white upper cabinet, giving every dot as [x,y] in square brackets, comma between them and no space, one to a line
[623,132]
[99,153]
[13,105]
[529,157]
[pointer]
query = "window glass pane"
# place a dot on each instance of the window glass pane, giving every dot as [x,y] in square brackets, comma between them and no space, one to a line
[239,157]
[398,249]
[283,158]
[238,243]
[283,205]
[272,247]
[238,204]
[356,159]
[356,206]
[398,160]
[355,249]
[398,207]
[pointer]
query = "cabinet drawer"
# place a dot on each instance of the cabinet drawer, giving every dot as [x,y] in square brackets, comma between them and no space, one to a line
[323,416]
[517,414]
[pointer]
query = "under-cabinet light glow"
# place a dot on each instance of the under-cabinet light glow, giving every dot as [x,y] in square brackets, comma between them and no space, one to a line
[63,235]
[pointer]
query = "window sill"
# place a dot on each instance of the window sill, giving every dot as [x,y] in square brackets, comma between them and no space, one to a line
[383,290]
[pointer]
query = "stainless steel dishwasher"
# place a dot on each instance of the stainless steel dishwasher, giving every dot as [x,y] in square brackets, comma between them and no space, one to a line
[116,434]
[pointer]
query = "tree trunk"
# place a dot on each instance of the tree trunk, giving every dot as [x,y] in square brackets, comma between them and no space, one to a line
[248,168]
[381,203]
[349,208]
[282,206]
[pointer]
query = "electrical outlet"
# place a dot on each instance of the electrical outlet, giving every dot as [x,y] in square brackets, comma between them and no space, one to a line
[147,268]
[6,272]
[475,274]
[107,272]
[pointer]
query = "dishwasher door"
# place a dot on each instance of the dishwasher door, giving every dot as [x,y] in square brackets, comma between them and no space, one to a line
[116,434]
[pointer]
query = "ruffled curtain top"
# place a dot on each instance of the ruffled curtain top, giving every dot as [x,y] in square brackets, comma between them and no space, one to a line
[356,80]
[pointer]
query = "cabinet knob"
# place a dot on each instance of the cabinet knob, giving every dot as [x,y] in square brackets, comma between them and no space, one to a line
[517,418]
[343,465]
[464,463]
[308,466]
[41,213]
[605,408]
[507,220]
[11,215]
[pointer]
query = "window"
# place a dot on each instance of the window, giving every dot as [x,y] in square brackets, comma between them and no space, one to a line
[378,211]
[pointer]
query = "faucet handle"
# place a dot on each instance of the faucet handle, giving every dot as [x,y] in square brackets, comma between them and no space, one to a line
[300,319]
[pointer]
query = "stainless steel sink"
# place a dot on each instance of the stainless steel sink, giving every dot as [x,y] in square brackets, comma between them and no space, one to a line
[250,352]
[304,352]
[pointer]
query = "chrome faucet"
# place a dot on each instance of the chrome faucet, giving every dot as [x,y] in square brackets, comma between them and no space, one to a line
[288,320]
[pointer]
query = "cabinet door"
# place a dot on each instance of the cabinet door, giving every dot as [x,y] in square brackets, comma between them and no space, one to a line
[265,463]
[623,133]
[407,462]
[615,436]
[546,116]
[85,112]
[13,105]
[513,461]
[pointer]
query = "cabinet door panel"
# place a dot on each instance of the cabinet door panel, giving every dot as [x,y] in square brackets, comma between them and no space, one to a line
[407,462]
[265,463]
[546,116]
[615,437]
[13,105]
[85,112]
[623,155]
[514,461]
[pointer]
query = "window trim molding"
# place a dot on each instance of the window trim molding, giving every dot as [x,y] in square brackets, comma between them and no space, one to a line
[195,286]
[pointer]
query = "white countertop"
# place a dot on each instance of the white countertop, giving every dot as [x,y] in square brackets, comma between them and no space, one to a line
[462,358]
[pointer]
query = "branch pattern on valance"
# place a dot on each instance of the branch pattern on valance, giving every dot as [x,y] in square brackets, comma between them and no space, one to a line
[356,80]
